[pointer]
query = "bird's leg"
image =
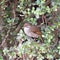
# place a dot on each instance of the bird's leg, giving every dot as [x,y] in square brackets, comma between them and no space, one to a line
[41,39]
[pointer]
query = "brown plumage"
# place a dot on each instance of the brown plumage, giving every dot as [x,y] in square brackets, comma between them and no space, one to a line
[31,30]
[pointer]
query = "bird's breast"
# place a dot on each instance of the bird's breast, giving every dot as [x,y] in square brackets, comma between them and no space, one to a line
[26,30]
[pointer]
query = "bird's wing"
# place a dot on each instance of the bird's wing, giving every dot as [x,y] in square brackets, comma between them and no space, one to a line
[36,30]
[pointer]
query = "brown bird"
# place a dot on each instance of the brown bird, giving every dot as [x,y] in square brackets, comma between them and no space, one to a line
[32,30]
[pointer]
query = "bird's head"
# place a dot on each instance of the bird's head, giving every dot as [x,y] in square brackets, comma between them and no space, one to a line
[27,25]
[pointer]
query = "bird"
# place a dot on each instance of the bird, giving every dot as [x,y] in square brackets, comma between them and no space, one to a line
[32,30]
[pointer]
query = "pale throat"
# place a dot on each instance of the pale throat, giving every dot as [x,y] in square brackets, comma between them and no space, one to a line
[26,29]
